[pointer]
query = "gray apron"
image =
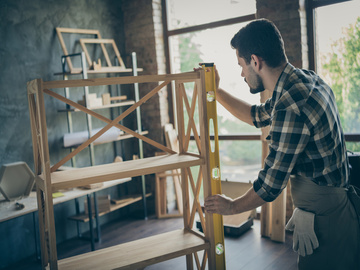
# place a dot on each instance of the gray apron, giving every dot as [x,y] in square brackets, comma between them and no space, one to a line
[336,225]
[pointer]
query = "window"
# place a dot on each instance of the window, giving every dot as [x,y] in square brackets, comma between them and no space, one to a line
[202,34]
[337,51]
[185,13]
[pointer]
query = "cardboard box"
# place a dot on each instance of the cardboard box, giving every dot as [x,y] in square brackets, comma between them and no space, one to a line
[235,225]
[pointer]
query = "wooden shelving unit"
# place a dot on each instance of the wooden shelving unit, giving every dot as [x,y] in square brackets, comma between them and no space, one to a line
[137,254]
[84,71]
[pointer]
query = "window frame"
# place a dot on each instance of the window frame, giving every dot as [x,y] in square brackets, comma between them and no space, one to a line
[168,33]
[311,5]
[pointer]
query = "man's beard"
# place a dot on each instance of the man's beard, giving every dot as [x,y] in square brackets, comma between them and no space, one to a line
[256,81]
[259,88]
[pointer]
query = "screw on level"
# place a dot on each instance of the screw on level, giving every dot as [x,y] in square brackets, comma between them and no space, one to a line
[219,249]
[210,96]
[216,173]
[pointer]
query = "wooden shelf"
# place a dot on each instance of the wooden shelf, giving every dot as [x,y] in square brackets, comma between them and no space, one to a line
[113,105]
[114,69]
[139,253]
[122,137]
[100,173]
[125,136]
[119,138]
[122,203]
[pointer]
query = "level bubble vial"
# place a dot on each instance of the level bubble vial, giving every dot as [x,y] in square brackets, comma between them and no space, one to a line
[210,96]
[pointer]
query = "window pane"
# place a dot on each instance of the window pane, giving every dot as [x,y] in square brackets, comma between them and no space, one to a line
[240,160]
[213,46]
[338,59]
[184,13]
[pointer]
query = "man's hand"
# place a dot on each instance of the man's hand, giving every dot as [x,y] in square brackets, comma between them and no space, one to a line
[219,204]
[217,77]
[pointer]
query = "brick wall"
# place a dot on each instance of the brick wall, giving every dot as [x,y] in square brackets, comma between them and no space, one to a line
[289,17]
[144,35]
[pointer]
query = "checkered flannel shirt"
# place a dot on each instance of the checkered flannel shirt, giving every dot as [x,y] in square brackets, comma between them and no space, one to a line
[305,136]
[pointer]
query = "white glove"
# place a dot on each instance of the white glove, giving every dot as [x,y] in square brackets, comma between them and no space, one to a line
[304,238]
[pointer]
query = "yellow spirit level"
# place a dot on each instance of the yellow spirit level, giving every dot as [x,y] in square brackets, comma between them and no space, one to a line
[210,86]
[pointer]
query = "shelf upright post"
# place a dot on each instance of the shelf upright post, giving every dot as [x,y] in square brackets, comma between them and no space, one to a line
[118,149]
[138,120]
[67,95]
[88,116]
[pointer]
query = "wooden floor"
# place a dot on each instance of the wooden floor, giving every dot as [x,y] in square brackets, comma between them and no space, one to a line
[249,251]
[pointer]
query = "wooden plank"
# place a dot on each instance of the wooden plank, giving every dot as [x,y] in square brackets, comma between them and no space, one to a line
[113,207]
[119,138]
[84,41]
[103,204]
[113,69]
[177,144]
[102,42]
[117,53]
[163,198]
[184,176]
[131,168]
[191,112]
[266,209]
[77,31]
[118,98]
[158,195]
[60,30]
[126,200]
[139,253]
[278,219]
[33,124]
[113,105]
[172,142]
[120,80]
[42,227]
[46,197]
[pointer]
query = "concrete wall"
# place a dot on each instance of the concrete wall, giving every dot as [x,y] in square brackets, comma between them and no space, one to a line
[29,49]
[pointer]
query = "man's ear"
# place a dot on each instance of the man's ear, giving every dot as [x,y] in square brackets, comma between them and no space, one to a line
[256,62]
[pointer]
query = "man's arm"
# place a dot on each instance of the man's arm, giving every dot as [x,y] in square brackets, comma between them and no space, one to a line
[220,204]
[237,107]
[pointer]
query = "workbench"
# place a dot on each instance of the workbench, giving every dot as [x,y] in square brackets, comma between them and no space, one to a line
[8,208]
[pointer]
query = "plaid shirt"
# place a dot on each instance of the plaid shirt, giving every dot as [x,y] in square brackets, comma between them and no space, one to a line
[305,136]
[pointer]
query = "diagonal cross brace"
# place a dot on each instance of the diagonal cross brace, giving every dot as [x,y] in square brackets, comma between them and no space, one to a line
[109,125]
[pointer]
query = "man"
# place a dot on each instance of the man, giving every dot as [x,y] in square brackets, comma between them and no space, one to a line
[306,146]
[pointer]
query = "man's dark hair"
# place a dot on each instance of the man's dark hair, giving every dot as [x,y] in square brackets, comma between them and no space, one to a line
[262,38]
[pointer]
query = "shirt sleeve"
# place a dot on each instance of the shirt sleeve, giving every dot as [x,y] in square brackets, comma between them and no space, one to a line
[261,114]
[287,139]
